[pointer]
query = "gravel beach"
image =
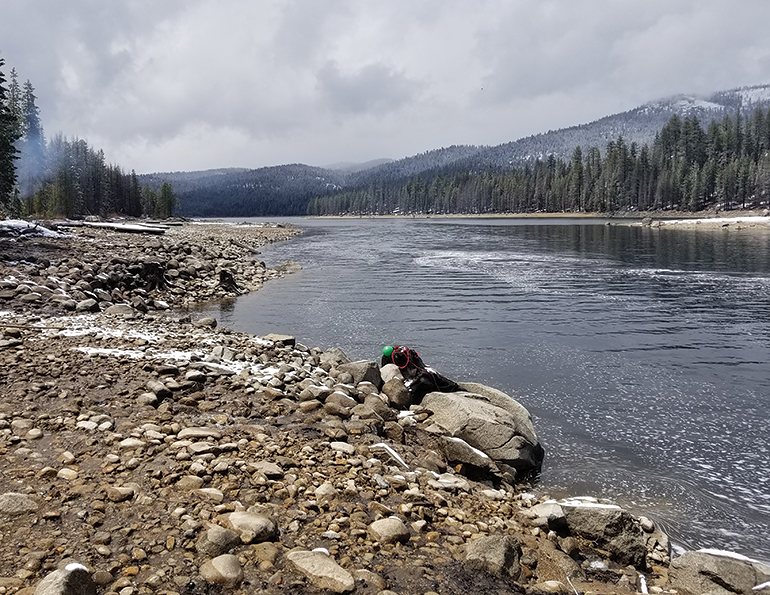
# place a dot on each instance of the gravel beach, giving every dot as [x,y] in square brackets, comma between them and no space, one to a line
[165,454]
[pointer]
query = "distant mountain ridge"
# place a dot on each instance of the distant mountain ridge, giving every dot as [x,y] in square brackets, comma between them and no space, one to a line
[639,125]
[286,189]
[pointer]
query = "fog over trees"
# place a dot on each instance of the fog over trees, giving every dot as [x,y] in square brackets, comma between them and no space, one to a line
[59,177]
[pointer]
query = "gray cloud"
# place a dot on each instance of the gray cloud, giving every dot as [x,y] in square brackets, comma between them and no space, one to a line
[188,84]
[372,89]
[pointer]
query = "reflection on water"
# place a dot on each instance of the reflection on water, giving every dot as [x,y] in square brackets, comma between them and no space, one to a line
[642,353]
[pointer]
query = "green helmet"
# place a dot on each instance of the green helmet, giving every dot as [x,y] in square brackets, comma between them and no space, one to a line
[387,351]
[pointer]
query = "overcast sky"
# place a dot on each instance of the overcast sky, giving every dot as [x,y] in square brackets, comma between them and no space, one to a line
[167,85]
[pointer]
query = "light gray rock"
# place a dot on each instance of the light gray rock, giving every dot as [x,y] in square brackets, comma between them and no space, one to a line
[206,321]
[379,406]
[551,514]
[610,528]
[21,426]
[341,399]
[397,393]
[276,338]
[199,434]
[268,468]
[551,587]
[334,357]
[343,447]
[457,450]
[139,303]
[73,579]
[258,527]
[223,352]
[224,570]
[15,504]
[131,444]
[322,571]
[326,493]
[389,372]
[490,421]
[123,310]
[88,305]
[495,554]
[449,482]
[363,371]
[189,482]
[716,573]
[216,541]
[159,389]
[388,530]
[195,376]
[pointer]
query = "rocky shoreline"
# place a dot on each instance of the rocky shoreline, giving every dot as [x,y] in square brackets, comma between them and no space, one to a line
[144,449]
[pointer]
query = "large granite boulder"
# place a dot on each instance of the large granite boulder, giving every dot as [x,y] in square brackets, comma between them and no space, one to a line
[629,540]
[491,422]
[610,527]
[717,573]
[495,554]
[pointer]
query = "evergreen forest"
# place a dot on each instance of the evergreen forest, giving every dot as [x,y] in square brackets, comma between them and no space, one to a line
[688,168]
[62,177]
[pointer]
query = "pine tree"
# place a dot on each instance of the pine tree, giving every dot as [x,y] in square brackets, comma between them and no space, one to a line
[167,201]
[8,152]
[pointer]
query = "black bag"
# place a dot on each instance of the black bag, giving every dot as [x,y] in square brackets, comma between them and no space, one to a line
[419,379]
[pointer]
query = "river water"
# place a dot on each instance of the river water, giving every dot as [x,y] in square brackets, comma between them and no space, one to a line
[641,353]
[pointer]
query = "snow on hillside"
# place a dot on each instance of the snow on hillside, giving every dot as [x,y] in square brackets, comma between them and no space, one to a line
[757,94]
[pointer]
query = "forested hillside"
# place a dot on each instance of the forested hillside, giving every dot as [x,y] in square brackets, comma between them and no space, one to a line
[62,177]
[445,179]
[686,167]
[279,190]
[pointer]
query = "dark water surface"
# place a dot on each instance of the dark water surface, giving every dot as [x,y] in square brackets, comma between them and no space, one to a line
[641,353]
